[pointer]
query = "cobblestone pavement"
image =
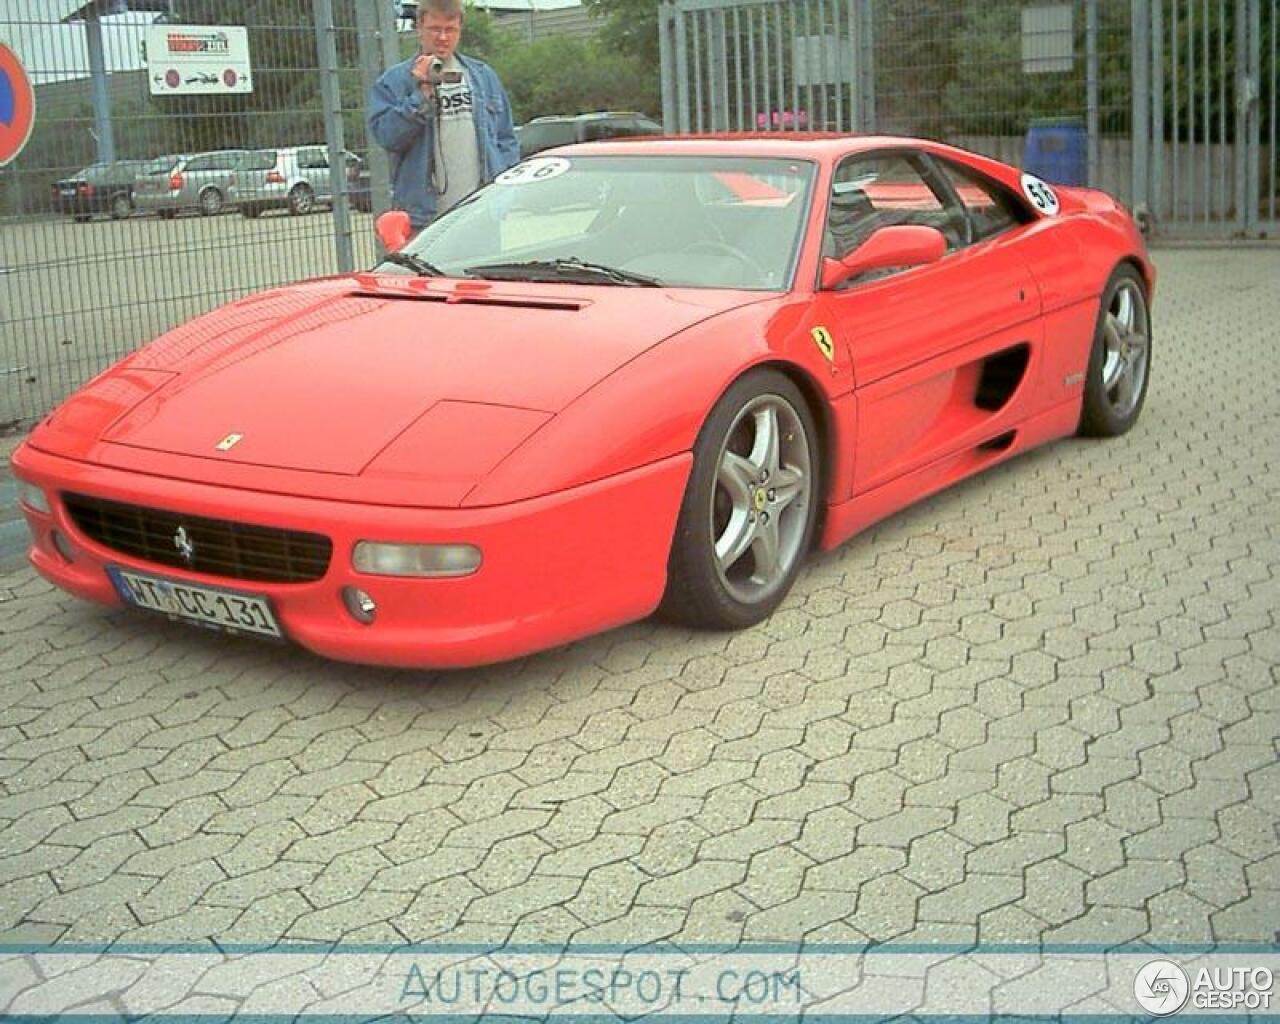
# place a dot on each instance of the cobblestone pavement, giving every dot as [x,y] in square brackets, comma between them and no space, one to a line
[1040,707]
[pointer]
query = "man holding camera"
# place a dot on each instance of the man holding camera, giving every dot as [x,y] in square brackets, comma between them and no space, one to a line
[443,118]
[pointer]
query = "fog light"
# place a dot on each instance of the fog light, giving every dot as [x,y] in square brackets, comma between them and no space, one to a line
[362,607]
[33,497]
[63,546]
[379,559]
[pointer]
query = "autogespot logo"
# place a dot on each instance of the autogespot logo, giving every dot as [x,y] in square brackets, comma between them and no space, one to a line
[1161,987]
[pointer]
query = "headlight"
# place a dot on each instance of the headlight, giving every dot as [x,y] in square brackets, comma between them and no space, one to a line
[379,559]
[33,497]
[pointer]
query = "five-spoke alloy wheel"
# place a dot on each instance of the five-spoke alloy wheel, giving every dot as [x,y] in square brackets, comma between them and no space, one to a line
[1120,361]
[750,508]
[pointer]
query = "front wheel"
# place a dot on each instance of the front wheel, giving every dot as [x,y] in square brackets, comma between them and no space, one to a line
[750,508]
[1120,362]
[121,206]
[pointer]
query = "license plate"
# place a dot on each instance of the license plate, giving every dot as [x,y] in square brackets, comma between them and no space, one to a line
[68,191]
[213,607]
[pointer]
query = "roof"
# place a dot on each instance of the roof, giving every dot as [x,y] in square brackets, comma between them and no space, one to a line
[81,9]
[805,145]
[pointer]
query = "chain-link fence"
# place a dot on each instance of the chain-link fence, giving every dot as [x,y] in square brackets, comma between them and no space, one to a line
[129,212]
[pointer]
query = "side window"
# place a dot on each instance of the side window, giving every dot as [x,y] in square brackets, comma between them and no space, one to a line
[991,210]
[222,161]
[312,158]
[199,163]
[871,192]
[602,129]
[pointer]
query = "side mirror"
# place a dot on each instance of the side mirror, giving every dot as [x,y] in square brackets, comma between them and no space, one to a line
[393,230]
[898,245]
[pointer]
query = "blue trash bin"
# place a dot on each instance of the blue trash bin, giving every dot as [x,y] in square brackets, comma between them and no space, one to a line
[1057,150]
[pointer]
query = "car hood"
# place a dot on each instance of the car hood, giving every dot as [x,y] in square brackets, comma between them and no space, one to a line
[422,385]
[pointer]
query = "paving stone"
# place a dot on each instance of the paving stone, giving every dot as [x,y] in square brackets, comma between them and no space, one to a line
[332,923]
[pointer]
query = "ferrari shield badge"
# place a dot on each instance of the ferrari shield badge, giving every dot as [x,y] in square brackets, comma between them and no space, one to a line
[229,442]
[822,338]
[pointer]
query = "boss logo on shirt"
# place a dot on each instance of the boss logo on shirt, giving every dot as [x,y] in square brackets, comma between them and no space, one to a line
[456,103]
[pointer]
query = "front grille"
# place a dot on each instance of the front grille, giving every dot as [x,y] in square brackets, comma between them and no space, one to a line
[238,551]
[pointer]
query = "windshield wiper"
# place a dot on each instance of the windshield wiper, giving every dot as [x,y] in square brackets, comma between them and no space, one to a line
[415,263]
[569,268]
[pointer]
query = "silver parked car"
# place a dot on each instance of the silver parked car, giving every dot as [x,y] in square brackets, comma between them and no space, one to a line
[195,181]
[294,178]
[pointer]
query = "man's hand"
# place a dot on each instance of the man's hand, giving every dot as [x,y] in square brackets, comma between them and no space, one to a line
[421,71]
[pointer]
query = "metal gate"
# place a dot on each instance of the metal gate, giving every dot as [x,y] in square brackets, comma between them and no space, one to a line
[1177,98]
[1205,140]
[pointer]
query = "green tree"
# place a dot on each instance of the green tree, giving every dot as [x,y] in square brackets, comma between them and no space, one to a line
[630,27]
[566,75]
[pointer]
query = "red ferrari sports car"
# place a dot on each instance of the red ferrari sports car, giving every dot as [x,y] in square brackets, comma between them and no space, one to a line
[622,378]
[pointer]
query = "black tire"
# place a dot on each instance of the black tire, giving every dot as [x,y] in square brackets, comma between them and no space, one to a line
[302,200]
[704,589]
[252,212]
[121,206]
[1119,373]
[210,202]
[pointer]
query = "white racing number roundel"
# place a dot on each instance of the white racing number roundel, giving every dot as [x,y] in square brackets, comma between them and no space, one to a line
[538,169]
[1041,195]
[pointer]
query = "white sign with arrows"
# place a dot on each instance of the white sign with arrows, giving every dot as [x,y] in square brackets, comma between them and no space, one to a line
[196,60]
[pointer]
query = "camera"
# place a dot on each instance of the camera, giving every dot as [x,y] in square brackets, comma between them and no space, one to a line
[435,73]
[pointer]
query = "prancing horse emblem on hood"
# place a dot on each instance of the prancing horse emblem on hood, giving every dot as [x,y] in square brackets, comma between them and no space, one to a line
[229,442]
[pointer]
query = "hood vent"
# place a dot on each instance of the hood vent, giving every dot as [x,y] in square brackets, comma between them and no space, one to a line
[476,293]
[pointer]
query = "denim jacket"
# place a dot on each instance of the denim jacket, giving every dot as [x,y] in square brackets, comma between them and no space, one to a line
[403,122]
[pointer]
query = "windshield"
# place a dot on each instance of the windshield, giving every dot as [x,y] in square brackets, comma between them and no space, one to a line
[701,222]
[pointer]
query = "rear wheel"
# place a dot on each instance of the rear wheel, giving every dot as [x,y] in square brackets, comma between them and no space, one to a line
[301,200]
[750,508]
[1120,361]
[121,206]
[210,202]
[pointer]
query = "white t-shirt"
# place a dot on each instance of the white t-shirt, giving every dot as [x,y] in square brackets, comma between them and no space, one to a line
[458,173]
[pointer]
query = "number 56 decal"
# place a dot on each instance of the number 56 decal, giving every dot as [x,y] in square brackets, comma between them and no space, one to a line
[1042,197]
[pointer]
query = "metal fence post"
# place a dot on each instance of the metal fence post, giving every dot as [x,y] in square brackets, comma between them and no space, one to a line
[1140,103]
[682,72]
[1156,198]
[666,60]
[374,22]
[101,96]
[867,66]
[1248,29]
[1091,85]
[330,101]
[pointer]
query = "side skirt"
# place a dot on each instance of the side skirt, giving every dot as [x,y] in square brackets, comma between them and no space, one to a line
[853,516]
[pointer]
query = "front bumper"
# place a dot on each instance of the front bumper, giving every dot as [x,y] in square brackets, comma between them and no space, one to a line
[555,568]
